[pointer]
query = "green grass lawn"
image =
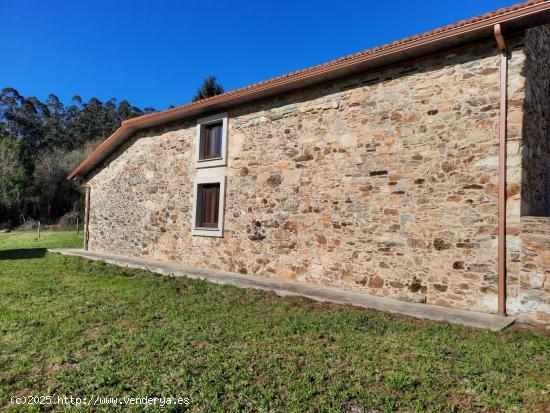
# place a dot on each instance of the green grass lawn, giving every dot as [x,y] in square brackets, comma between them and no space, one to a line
[69,326]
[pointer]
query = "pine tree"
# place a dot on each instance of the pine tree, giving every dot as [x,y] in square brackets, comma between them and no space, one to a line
[210,87]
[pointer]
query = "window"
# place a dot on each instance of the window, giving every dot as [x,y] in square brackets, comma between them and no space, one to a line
[208,204]
[209,188]
[212,144]
[211,141]
[209,201]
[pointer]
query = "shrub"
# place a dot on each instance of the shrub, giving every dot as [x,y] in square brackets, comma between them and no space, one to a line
[68,221]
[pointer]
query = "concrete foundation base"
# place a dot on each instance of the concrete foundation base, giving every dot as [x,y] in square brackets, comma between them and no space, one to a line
[318,293]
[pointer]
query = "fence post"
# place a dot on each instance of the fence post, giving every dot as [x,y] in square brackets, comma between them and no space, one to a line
[38,229]
[87,218]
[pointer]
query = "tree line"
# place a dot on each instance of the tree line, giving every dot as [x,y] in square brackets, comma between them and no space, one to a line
[40,143]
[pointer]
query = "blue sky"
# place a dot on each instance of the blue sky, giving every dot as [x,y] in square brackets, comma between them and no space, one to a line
[156,52]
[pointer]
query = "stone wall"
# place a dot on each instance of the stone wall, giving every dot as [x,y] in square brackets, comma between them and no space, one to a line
[536,131]
[534,299]
[385,183]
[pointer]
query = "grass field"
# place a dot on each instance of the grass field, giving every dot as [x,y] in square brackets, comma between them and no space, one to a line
[74,327]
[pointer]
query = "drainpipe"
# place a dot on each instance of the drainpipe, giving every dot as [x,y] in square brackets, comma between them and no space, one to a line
[86,218]
[503,108]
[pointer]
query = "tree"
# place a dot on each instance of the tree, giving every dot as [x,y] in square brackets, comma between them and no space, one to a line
[13,181]
[41,142]
[54,194]
[55,124]
[23,118]
[9,156]
[126,111]
[210,87]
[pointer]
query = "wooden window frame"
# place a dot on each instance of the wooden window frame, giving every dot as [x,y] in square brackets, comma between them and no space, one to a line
[202,124]
[196,228]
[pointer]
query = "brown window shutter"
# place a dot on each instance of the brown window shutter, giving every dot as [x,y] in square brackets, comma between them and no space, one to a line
[212,141]
[210,194]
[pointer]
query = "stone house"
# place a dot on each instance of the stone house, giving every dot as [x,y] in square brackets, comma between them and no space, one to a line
[382,172]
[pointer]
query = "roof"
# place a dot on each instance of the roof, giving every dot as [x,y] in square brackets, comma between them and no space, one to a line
[512,19]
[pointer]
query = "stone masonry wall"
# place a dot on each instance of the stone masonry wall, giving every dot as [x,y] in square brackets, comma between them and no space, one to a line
[532,302]
[534,298]
[385,183]
[536,131]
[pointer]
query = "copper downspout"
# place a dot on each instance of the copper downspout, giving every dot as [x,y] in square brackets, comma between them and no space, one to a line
[86,218]
[503,108]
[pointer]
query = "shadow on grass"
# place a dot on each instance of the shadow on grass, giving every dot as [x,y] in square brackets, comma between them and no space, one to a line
[23,254]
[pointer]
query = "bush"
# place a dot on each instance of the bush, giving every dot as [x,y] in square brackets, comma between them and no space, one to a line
[69,221]
[28,225]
